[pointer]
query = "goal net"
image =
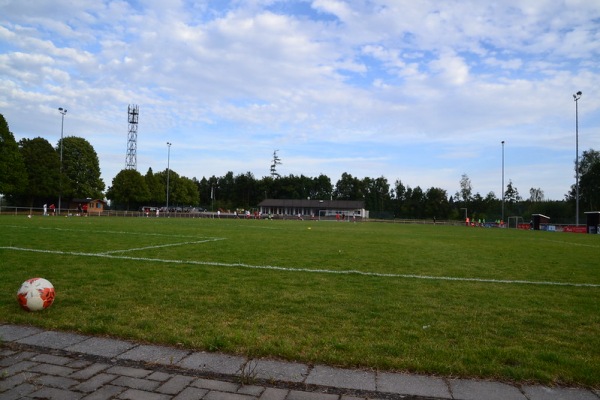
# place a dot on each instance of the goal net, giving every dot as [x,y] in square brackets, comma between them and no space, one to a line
[513,222]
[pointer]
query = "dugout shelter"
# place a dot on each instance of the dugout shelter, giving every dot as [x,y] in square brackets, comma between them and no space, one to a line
[540,221]
[593,222]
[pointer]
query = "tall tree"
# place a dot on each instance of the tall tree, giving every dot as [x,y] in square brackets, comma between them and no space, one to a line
[511,195]
[43,170]
[536,195]
[589,182]
[466,190]
[156,188]
[377,193]
[129,189]
[436,203]
[348,188]
[186,192]
[274,163]
[81,168]
[13,175]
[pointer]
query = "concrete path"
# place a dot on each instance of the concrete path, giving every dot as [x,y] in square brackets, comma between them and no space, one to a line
[40,364]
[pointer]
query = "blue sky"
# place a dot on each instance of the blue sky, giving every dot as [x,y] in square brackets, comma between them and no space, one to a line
[423,91]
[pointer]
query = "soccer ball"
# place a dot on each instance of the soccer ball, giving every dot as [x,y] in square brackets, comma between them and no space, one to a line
[36,294]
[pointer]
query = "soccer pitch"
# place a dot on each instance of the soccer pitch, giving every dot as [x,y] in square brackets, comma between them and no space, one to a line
[457,301]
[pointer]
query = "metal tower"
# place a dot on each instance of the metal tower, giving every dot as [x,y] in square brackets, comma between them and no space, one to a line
[133,112]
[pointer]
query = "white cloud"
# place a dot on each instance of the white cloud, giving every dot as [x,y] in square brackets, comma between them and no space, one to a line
[393,88]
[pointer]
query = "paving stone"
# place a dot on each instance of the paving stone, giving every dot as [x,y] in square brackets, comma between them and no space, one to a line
[16,356]
[216,385]
[56,381]
[415,385]
[89,371]
[474,390]
[159,376]
[106,392]
[77,364]
[348,379]
[16,380]
[213,362]
[135,383]
[297,395]
[274,394]
[191,393]
[276,370]
[55,394]
[6,352]
[104,347]
[252,390]
[155,354]
[226,396]
[175,385]
[18,367]
[546,393]
[52,359]
[53,340]
[50,369]
[95,382]
[10,333]
[134,394]
[18,392]
[129,371]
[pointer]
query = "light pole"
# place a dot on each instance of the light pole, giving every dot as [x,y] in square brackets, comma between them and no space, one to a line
[503,181]
[576,97]
[168,172]
[62,111]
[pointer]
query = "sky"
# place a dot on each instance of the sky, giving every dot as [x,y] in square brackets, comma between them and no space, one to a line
[417,91]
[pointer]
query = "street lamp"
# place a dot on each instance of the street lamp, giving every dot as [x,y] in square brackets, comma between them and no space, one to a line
[62,111]
[503,181]
[576,97]
[168,172]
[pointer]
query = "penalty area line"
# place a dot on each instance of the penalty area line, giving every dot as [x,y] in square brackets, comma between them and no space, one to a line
[306,270]
[159,246]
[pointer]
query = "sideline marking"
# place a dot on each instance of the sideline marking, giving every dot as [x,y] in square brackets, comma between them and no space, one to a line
[314,271]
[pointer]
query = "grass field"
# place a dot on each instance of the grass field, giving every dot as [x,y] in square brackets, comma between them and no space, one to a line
[465,302]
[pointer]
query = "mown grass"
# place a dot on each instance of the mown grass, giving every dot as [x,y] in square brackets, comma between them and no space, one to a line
[161,293]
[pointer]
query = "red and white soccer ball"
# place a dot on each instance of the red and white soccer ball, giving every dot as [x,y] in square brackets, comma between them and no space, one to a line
[36,294]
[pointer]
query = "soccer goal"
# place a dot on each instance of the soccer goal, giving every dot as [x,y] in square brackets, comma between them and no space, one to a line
[516,220]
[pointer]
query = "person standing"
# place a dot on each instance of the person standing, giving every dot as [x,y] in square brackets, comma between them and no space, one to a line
[45,209]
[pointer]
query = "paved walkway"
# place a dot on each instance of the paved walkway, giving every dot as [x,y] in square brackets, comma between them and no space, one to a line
[40,364]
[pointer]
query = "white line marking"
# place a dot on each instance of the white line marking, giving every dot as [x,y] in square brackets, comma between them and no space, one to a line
[110,232]
[307,270]
[160,246]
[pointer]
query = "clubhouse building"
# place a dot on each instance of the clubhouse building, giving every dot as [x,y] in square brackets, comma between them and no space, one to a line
[321,209]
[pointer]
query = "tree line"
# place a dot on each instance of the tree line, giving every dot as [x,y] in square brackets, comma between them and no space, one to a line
[31,173]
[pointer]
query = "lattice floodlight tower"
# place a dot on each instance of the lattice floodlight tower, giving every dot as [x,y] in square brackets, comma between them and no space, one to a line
[133,112]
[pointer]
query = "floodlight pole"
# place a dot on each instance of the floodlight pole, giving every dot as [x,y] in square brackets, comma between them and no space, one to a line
[503,181]
[576,97]
[62,111]
[168,172]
